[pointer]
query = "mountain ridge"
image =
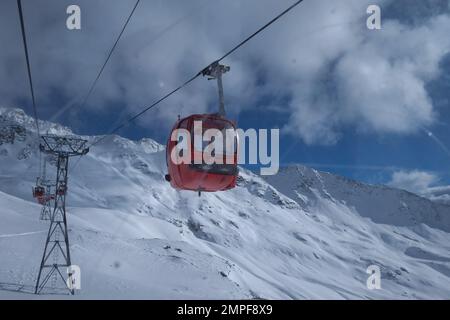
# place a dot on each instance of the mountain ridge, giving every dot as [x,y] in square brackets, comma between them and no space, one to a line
[299,234]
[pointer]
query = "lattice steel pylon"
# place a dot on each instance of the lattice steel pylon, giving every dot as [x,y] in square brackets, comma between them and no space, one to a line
[57,243]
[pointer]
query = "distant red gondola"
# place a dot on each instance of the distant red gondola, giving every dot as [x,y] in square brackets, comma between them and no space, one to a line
[39,194]
[38,191]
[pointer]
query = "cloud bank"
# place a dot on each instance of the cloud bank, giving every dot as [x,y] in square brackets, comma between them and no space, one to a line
[415,181]
[332,72]
[422,183]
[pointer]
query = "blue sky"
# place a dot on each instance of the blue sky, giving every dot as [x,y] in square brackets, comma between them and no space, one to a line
[304,75]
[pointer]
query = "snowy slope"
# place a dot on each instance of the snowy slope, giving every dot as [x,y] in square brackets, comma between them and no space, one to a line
[300,234]
[379,203]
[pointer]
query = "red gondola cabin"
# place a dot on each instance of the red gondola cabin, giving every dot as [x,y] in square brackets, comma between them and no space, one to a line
[203,175]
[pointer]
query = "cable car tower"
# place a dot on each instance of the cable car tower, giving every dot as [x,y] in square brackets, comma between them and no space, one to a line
[57,251]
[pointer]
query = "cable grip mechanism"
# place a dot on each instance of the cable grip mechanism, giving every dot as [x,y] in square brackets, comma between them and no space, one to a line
[215,71]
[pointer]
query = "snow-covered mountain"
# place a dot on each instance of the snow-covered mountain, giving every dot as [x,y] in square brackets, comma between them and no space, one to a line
[299,234]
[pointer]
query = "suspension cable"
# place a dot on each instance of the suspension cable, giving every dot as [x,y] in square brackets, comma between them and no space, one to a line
[134,117]
[91,89]
[94,83]
[30,79]
[123,124]
[260,29]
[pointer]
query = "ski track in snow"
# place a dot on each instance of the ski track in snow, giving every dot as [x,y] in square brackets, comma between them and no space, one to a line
[21,234]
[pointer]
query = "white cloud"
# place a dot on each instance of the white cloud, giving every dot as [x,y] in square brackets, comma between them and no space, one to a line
[415,181]
[376,83]
[439,194]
